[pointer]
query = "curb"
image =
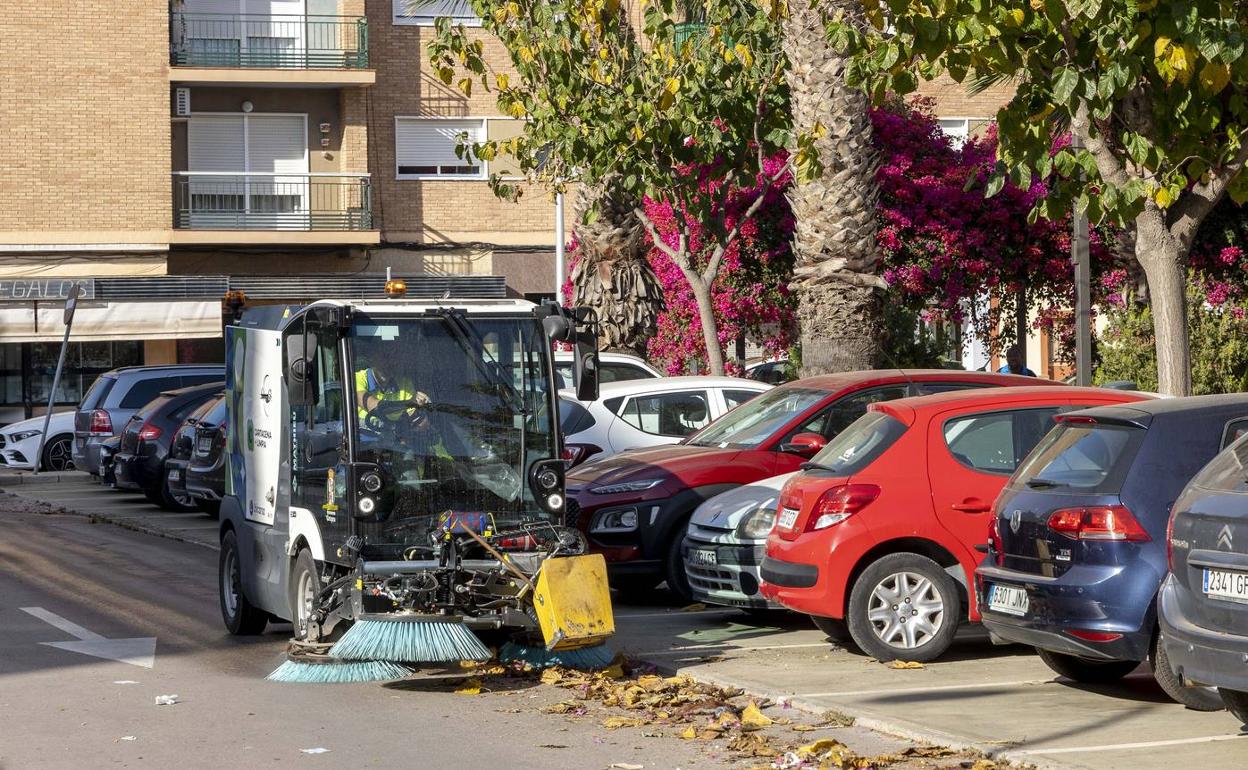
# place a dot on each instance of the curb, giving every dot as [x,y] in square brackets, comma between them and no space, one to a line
[22,479]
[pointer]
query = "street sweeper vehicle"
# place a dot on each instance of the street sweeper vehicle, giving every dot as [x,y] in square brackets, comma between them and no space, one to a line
[394,487]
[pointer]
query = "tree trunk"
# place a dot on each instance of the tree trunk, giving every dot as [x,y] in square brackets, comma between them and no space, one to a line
[710,327]
[1163,262]
[613,273]
[835,214]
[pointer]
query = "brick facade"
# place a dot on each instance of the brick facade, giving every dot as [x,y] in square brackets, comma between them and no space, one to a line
[84,97]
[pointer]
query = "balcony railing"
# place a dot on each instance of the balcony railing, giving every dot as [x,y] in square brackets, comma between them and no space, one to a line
[272,42]
[272,201]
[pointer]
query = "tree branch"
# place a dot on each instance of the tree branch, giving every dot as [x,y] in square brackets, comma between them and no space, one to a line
[1108,164]
[1192,207]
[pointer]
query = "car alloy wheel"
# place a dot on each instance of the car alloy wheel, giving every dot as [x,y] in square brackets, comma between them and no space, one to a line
[58,455]
[906,610]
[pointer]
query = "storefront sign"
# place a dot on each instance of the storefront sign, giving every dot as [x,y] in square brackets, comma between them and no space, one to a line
[30,289]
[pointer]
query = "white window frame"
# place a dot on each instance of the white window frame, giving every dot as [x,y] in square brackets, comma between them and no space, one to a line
[958,138]
[401,19]
[484,165]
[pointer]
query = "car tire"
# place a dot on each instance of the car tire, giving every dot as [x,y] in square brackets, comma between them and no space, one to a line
[833,628]
[913,578]
[58,454]
[210,507]
[166,499]
[303,588]
[240,616]
[1195,697]
[674,569]
[1236,702]
[1087,671]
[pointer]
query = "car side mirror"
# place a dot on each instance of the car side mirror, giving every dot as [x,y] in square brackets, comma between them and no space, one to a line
[804,444]
[300,369]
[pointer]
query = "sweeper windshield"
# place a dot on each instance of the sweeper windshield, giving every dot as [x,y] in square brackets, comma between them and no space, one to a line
[455,409]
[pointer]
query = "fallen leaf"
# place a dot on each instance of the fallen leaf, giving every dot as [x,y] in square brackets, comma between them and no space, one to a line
[652,683]
[752,717]
[471,687]
[906,664]
[551,746]
[614,723]
[695,607]
[562,707]
[752,745]
[804,728]
[552,676]
[688,734]
[614,671]
[984,764]
[928,752]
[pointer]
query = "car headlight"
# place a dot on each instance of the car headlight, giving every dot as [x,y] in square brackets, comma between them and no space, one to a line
[757,525]
[615,520]
[22,435]
[626,486]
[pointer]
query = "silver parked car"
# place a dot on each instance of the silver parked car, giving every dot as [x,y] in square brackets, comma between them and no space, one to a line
[117,395]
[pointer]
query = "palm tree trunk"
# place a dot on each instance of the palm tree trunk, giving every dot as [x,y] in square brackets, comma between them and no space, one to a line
[613,274]
[834,244]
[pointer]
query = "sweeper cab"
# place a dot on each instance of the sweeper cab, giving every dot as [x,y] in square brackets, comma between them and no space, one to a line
[397,464]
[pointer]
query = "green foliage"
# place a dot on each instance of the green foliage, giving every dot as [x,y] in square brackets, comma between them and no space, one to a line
[910,343]
[1219,340]
[1158,90]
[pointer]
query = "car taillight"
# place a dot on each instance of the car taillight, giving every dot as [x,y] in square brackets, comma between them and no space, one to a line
[1098,522]
[839,503]
[1094,636]
[994,534]
[101,423]
[575,454]
[1170,541]
[149,432]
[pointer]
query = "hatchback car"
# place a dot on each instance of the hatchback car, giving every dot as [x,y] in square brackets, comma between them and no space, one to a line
[642,413]
[115,396]
[146,439]
[19,443]
[1077,552]
[1203,604]
[877,537]
[182,449]
[635,506]
[612,367]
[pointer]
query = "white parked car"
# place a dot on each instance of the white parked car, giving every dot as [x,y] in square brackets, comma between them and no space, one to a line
[19,443]
[645,413]
[727,540]
[612,367]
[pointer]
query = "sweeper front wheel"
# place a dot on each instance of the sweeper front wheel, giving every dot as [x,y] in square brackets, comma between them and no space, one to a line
[241,618]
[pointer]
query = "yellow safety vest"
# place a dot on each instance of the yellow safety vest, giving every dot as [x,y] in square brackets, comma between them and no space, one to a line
[362,385]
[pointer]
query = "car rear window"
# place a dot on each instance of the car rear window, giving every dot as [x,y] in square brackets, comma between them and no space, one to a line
[1093,458]
[620,372]
[143,391]
[860,444]
[573,418]
[188,380]
[216,412]
[153,406]
[182,411]
[97,393]
[1228,472]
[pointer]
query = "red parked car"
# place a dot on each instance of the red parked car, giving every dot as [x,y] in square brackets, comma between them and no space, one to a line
[635,506]
[878,538]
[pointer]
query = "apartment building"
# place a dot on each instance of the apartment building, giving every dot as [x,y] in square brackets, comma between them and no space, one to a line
[165,151]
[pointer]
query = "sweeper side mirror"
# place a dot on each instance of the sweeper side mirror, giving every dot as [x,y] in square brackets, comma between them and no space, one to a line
[578,326]
[300,366]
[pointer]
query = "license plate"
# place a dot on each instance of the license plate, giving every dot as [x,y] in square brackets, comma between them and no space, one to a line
[703,558]
[1007,599]
[788,517]
[204,445]
[1226,585]
[175,474]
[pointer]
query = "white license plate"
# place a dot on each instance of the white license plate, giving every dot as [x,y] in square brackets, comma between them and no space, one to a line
[204,446]
[175,474]
[1007,599]
[703,558]
[788,517]
[1226,585]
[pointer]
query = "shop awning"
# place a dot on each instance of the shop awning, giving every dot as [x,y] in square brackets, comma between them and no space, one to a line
[97,321]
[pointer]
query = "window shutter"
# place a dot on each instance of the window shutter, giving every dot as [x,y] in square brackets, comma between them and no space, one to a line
[432,142]
[276,143]
[215,143]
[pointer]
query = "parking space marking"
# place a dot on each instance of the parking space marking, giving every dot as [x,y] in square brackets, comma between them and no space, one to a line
[725,648]
[1126,746]
[918,690]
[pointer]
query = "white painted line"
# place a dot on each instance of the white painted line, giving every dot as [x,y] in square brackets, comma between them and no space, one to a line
[1127,746]
[52,619]
[678,613]
[720,648]
[917,690]
[138,651]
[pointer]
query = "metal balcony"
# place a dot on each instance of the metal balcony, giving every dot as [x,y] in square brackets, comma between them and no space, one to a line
[272,201]
[268,42]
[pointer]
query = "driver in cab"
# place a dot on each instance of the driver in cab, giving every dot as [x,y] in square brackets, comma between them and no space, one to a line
[392,407]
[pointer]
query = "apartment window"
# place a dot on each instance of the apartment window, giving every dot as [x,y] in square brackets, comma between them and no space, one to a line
[424,148]
[957,129]
[424,12]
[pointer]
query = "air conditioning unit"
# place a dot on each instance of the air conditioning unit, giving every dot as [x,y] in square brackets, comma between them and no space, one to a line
[182,102]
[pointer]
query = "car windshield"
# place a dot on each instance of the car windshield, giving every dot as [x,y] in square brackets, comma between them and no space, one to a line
[1084,457]
[757,420]
[456,409]
[860,444]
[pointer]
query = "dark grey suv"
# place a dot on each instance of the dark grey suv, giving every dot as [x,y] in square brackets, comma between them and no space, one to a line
[118,394]
[1203,605]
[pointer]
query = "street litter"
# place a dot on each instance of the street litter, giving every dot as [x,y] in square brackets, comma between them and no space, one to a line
[125,681]
[166,700]
[317,750]
[129,738]
[625,766]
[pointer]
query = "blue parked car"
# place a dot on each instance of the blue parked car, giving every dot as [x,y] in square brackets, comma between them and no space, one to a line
[1077,550]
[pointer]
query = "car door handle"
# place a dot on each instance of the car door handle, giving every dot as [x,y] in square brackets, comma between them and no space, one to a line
[972,506]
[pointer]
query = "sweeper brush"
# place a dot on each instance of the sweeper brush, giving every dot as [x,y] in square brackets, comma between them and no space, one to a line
[409,638]
[338,672]
[582,658]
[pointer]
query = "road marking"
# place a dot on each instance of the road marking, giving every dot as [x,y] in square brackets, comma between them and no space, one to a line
[726,649]
[1126,746]
[678,613]
[138,651]
[916,690]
